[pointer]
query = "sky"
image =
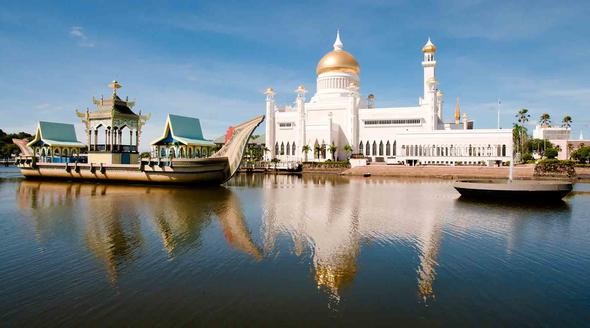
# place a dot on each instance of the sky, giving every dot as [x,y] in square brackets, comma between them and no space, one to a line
[214,59]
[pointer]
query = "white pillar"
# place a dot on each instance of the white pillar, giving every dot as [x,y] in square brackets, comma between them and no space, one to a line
[301,133]
[354,118]
[270,123]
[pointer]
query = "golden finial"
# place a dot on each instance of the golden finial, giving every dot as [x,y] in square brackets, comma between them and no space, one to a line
[115,85]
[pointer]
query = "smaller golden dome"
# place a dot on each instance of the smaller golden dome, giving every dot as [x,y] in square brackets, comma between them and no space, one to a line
[429,47]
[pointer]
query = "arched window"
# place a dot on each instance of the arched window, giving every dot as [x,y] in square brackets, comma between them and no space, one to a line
[282,148]
[293,149]
[172,152]
[393,150]
[503,150]
[387,149]
[198,153]
[361,148]
[288,149]
[181,153]
[368,149]
[190,152]
[374,148]
[276,148]
[65,152]
[380,148]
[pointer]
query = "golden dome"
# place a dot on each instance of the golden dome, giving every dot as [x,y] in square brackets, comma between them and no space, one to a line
[338,60]
[429,47]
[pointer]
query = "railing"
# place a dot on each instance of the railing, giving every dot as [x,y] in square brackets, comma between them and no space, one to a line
[113,148]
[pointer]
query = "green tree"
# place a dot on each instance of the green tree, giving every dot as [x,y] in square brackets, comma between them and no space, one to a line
[551,153]
[7,148]
[538,146]
[582,154]
[545,120]
[305,150]
[348,150]
[522,117]
[520,138]
[567,121]
[333,148]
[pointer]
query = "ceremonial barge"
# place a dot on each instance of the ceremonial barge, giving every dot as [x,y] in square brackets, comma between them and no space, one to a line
[180,156]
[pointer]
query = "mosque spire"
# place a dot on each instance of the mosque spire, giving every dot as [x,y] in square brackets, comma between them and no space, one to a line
[457,112]
[338,44]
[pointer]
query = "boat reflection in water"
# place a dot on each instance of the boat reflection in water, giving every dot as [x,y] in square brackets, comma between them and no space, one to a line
[324,220]
[111,216]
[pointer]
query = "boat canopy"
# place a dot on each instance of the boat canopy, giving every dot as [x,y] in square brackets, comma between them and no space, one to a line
[182,130]
[54,134]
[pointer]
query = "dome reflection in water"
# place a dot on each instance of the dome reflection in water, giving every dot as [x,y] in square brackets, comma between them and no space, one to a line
[279,249]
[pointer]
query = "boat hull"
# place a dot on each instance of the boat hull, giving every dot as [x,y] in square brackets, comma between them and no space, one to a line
[206,171]
[513,191]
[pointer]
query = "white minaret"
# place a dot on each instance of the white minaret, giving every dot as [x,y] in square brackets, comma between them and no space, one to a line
[353,108]
[429,64]
[301,114]
[270,123]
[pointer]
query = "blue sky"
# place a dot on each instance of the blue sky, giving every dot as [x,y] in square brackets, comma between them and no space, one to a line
[213,60]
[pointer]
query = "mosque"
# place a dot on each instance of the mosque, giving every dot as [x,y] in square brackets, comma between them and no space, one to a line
[338,121]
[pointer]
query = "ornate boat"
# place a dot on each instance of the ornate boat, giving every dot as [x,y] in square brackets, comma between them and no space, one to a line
[181,156]
[215,169]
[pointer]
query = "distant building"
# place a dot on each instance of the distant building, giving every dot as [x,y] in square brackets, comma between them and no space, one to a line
[338,115]
[561,137]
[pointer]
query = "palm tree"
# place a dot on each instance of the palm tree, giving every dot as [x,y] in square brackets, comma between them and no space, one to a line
[567,121]
[305,150]
[316,150]
[570,150]
[347,149]
[545,120]
[333,150]
[523,117]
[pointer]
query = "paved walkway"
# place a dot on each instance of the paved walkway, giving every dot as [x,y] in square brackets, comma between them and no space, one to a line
[449,172]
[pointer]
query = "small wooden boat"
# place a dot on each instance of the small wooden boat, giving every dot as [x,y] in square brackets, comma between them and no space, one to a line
[214,170]
[517,190]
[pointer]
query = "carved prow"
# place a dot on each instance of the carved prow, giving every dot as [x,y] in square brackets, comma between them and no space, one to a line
[235,147]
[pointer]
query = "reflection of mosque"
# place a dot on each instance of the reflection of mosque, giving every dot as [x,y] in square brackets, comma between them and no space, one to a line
[333,216]
[111,218]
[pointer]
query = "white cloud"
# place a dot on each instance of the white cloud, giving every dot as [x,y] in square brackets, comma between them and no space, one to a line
[77,32]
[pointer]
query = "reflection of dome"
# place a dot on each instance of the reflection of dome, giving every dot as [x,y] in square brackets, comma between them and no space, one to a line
[338,60]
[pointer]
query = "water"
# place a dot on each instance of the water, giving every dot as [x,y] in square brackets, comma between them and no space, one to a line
[285,250]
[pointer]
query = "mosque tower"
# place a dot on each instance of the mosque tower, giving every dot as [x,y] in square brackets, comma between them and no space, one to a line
[270,123]
[430,84]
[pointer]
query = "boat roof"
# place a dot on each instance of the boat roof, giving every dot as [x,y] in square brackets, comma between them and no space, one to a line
[182,129]
[55,134]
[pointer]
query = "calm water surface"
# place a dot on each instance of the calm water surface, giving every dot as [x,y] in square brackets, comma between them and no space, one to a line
[286,250]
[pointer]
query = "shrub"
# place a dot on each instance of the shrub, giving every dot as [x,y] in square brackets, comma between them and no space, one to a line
[527,157]
[551,153]
[552,167]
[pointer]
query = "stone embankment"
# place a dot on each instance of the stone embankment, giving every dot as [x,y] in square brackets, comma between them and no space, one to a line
[453,172]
